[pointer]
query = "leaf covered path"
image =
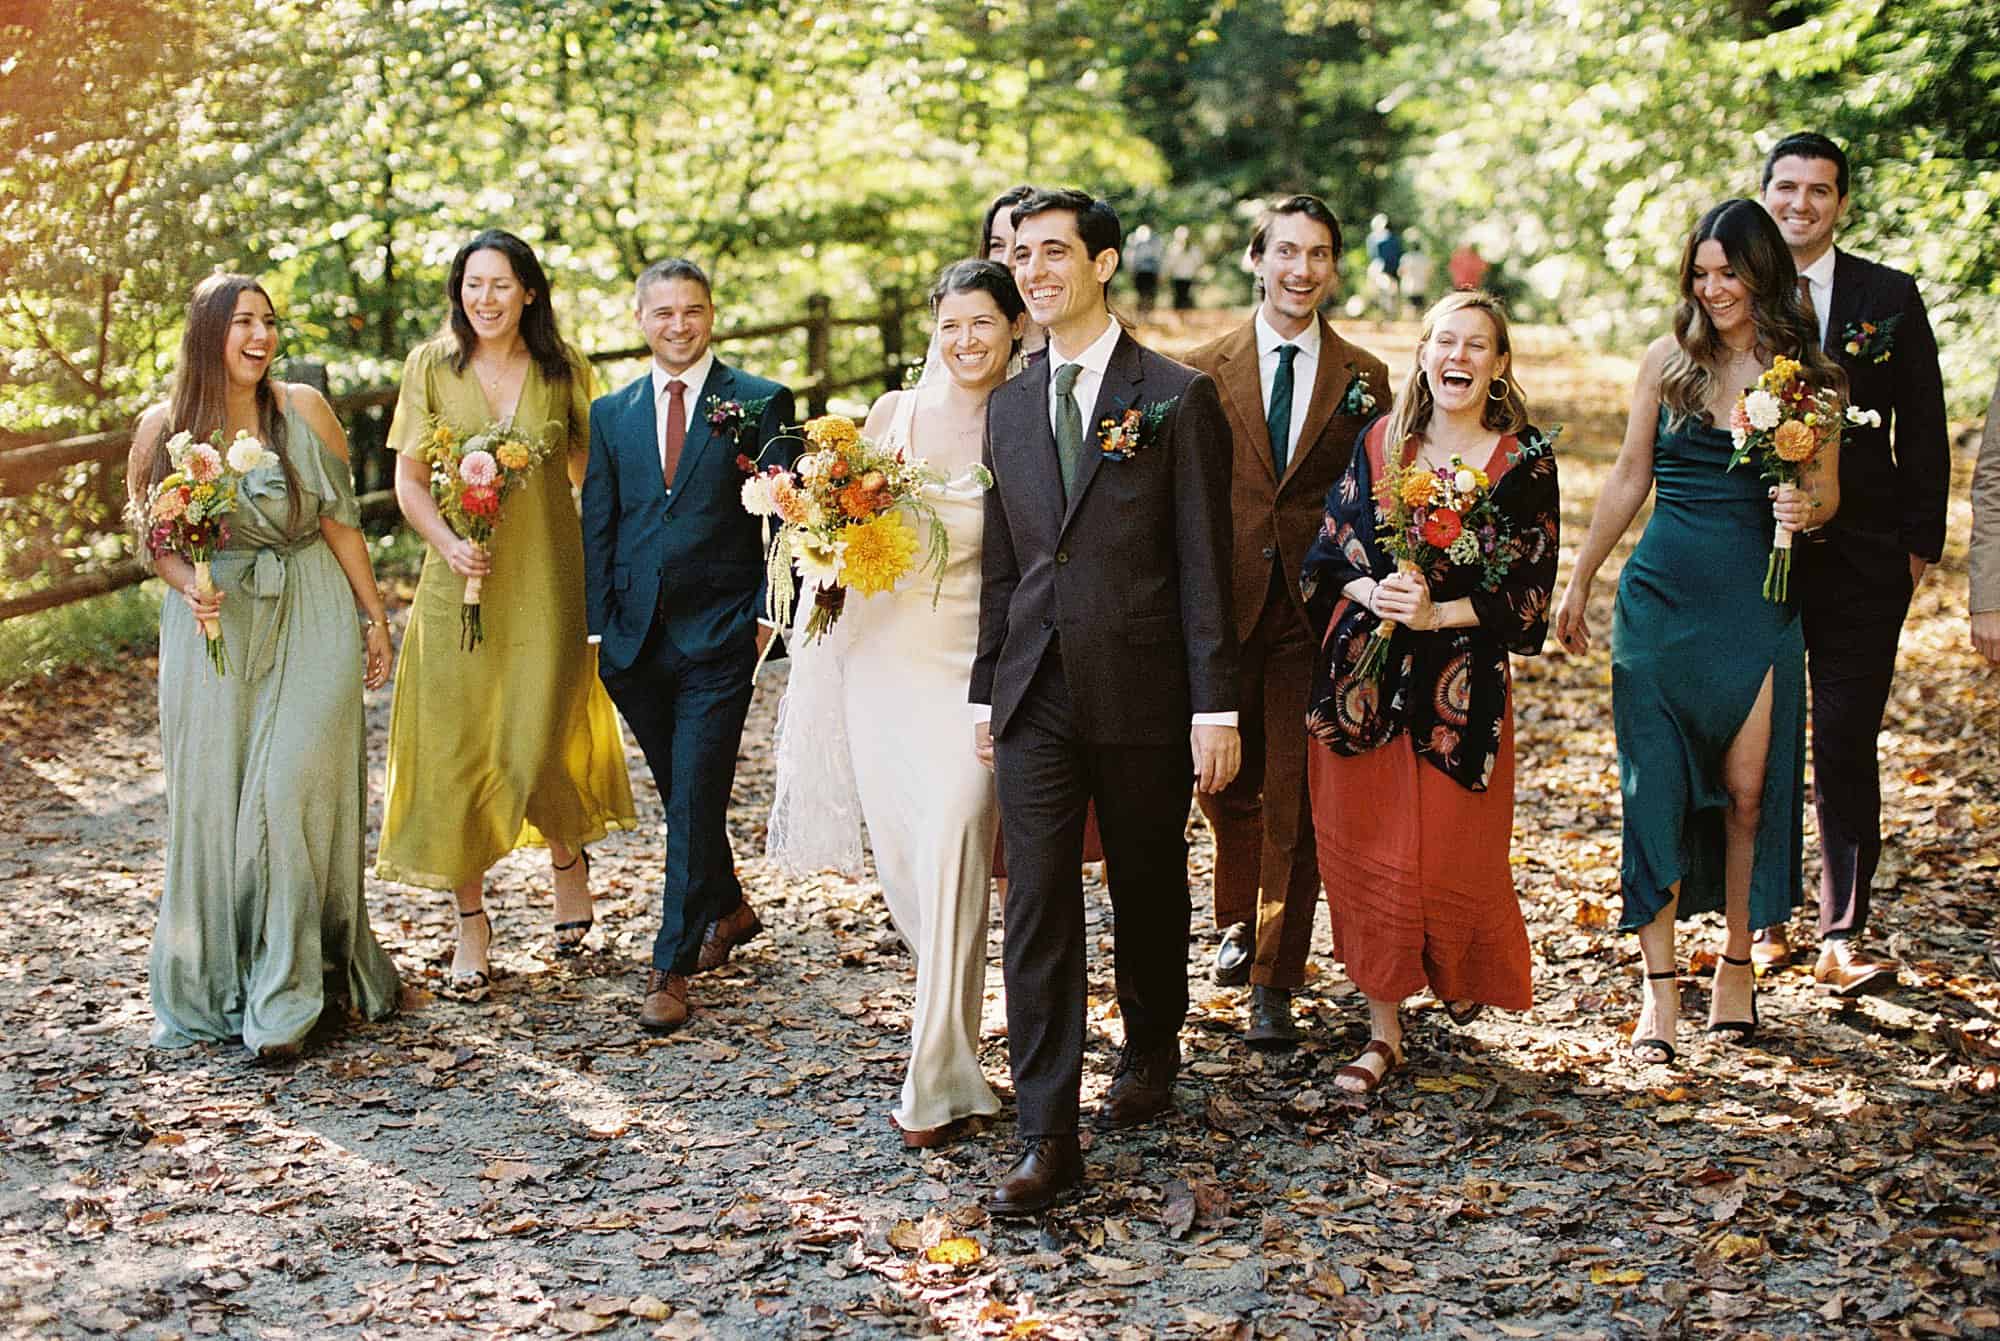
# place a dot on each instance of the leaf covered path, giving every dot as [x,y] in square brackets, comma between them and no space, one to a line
[537,1168]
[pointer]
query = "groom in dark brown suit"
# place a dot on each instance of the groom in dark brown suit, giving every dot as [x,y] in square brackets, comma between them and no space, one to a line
[1106,672]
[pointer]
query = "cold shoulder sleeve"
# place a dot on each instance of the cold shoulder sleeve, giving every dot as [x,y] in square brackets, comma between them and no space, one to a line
[324,475]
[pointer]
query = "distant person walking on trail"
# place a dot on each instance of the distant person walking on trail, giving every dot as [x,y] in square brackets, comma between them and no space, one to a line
[261,914]
[1148,258]
[1184,262]
[1418,275]
[1468,268]
[1385,264]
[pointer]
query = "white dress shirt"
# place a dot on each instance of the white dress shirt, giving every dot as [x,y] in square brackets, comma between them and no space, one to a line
[694,379]
[1305,368]
[1094,359]
[1819,281]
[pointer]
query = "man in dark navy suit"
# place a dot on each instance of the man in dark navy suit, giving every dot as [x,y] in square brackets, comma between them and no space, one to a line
[674,585]
[1857,574]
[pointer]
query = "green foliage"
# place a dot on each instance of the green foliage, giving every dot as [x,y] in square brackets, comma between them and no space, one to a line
[88,633]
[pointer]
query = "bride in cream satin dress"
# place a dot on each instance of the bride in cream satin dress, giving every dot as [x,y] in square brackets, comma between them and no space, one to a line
[875,720]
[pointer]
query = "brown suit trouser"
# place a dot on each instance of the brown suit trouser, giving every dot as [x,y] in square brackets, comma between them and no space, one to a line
[1266,859]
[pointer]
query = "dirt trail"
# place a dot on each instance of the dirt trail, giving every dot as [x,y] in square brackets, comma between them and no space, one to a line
[536,1168]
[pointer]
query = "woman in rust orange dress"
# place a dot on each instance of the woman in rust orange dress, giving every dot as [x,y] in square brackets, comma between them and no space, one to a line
[1413,798]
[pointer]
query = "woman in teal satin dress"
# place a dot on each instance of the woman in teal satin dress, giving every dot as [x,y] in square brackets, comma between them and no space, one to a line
[261,914]
[1707,676]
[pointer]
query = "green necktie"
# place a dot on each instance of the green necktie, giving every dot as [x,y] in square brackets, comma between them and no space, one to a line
[1279,419]
[1069,427]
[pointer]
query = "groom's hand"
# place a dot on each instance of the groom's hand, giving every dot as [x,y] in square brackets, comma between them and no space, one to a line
[1218,753]
[982,743]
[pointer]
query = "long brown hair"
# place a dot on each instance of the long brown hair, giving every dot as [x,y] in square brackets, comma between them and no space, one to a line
[1760,258]
[1412,415]
[199,401]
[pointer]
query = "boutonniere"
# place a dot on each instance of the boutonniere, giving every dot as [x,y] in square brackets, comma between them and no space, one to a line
[1358,400]
[1872,341]
[728,417]
[1133,432]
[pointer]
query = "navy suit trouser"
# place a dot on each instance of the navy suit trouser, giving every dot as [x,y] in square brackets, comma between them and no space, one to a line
[688,718]
[1047,776]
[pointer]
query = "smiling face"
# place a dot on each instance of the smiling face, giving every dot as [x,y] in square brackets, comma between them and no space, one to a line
[251,340]
[1062,283]
[1723,294]
[1000,242]
[677,317]
[1460,360]
[1297,269]
[1803,195]
[975,339]
[493,296]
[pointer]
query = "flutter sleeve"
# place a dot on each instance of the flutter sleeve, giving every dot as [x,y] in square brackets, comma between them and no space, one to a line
[1344,548]
[412,417]
[1516,612]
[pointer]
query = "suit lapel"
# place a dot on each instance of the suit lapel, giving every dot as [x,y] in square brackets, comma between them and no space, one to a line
[1029,448]
[1241,382]
[719,381]
[1848,298]
[1115,394]
[1330,382]
[641,444]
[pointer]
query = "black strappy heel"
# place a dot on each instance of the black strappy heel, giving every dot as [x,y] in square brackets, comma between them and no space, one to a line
[568,945]
[1739,1031]
[473,987]
[1662,1048]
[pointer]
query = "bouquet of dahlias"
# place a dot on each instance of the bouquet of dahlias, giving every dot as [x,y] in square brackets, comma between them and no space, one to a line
[841,521]
[470,479]
[1785,423]
[189,510]
[1429,519]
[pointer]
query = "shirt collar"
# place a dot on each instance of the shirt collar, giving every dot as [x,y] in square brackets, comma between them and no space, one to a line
[1268,338]
[1820,272]
[1096,357]
[695,378]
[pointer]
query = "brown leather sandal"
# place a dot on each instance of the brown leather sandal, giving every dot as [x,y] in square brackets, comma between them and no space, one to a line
[1370,1081]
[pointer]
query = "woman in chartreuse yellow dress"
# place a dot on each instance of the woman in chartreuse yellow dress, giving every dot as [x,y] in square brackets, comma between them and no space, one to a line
[514,742]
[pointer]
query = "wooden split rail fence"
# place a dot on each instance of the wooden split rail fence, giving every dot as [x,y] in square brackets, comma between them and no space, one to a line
[22,469]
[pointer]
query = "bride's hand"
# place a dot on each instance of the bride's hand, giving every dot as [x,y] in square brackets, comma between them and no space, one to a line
[982,744]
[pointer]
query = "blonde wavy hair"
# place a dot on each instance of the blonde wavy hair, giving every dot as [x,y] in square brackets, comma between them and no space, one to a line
[1412,414]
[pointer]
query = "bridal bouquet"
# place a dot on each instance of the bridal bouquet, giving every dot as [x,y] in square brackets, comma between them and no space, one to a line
[1784,423]
[1429,518]
[470,479]
[844,516]
[189,510]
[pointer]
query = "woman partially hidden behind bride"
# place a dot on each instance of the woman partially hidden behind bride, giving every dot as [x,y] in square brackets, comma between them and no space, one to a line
[876,712]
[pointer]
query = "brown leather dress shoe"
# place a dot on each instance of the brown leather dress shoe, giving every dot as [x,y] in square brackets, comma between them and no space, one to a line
[1271,1028]
[666,1005]
[1143,1088]
[725,933]
[1772,949]
[1051,1167]
[933,1138]
[1846,971]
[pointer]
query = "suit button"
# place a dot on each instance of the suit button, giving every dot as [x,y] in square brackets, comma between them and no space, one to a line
[1270,552]
[1048,623]
[1062,556]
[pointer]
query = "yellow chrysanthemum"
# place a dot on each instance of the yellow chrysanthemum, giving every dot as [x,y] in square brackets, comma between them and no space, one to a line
[832,432]
[1419,486]
[878,553]
[513,456]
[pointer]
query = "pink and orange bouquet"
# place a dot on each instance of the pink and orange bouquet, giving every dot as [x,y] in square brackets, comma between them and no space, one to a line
[1428,519]
[1784,424]
[188,513]
[844,514]
[470,479]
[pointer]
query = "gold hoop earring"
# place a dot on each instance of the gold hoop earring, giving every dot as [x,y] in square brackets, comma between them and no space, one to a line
[1498,388]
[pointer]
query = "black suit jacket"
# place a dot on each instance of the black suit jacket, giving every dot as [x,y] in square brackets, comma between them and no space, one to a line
[1132,576]
[1894,480]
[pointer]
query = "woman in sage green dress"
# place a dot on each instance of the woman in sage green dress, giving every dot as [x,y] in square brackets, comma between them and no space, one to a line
[1707,676]
[261,912]
[514,742]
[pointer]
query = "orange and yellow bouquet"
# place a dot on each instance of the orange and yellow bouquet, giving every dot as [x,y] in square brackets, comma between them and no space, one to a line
[844,515]
[1785,423]
[188,513]
[470,479]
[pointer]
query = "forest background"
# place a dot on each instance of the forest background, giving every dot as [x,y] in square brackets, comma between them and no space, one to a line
[343,149]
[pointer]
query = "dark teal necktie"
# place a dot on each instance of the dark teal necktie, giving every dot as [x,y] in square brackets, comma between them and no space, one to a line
[1279,419]
[1069,427]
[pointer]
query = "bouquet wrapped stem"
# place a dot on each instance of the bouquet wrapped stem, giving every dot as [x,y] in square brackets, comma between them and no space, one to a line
[1778,568]
[211,629]
[471,628]
[829,599]
[1375,656]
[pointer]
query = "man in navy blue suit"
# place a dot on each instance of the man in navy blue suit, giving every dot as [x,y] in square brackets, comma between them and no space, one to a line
[673,587]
